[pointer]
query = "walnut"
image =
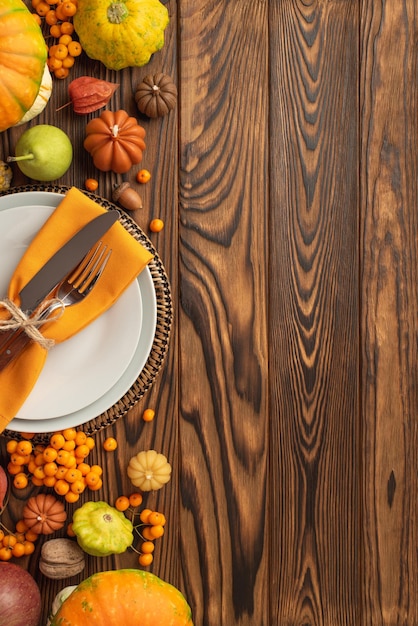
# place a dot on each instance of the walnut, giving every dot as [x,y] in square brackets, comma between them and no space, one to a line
[61,558]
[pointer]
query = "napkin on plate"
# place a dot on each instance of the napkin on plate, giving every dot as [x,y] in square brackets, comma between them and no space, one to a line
[128,259]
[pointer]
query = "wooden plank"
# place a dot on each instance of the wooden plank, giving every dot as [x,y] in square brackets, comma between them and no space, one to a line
[389,311]
[223,344]
[313,312]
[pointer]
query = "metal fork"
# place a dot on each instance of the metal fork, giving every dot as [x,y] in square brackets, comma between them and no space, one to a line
[73,289]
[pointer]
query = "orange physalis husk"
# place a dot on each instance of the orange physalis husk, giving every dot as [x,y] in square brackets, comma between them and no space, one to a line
[90,94]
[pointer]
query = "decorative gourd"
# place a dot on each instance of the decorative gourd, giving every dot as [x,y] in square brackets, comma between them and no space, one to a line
[101,529]
[149,470]
[23,54]
[44,514]
[115,141]
[156,95]
[121,33]
[41,99]
[125,596]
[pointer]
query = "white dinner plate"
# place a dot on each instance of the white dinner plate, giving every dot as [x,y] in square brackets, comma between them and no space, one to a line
[110,367]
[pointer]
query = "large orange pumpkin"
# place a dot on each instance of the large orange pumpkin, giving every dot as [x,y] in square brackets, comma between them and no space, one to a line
[128,597]
[23,54]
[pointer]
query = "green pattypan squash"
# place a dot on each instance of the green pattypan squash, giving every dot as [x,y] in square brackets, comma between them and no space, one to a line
[101,529]
[121,33]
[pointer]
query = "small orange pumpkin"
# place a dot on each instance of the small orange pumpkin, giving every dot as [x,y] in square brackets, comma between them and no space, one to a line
[44,514]
[115,141]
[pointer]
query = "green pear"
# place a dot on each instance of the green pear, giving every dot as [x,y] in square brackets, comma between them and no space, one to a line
[43,152]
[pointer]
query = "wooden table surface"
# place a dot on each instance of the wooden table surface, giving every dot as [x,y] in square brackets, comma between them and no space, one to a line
[287,403]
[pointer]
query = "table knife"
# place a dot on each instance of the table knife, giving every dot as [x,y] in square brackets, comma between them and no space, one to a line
[59,265]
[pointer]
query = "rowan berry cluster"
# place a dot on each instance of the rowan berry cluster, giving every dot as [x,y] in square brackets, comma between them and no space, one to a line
[59,464]
[17,544]
[149,527]
[64,49]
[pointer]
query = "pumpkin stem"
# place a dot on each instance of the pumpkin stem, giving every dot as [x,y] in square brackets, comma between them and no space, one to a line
[24,157]
[114,130]
[117,12]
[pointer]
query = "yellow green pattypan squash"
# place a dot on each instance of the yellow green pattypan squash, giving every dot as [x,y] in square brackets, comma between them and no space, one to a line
[121,33]
[101,529]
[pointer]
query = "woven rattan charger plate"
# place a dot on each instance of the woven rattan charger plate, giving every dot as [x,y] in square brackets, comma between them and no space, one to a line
[159,347]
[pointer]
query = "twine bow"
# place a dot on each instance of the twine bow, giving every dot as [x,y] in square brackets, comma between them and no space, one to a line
[31,324]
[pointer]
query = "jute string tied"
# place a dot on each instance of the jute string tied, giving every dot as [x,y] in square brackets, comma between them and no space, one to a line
[30,324]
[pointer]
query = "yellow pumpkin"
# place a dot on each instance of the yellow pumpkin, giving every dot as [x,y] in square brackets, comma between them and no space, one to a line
[23,54]
[121,33]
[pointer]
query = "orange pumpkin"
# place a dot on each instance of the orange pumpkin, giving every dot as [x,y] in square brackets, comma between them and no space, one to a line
[115,141]
[44,514]
[23,54]
[125,596]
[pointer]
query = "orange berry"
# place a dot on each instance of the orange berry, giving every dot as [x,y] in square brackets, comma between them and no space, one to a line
[63,457]
[97,486]
[146,533]
[80,438]
[39,459]
[29,547]
[30,535]
[68,62]
[122,503]
[57,440]
[156,518]
[70,531]
[156,225]
[38,482]
[156,531]
[5,554]
[143,516]
[78,486]
[91,184]
[69,433]
[21,526]
[24,448]
[60,51]
[51,17]
[148,415]
[147,547]
[90,443]
[61,487]
[92,479]
[39,472]
[49,481]
[55,31]
[42,8]
[69,9]
[67,28]
[145,559]
[20,481]
[70,444]
[50,454]
[65,40]
[72,475]
[9,541]
[143,176]
[75,49]
[83,468]
[82,450]
[13,468]
[11,446]
[110,444]
[61,471]
[37,18]
[17,459]
[135,499]
[1,535]
[18,550]
[71,497]
[27,435]
[96,469]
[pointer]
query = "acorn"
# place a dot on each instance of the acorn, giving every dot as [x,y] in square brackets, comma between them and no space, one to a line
[127,197]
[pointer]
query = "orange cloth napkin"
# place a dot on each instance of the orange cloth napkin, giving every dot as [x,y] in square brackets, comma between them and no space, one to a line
[128,259]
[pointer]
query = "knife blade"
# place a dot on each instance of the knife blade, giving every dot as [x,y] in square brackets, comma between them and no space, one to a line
[59,265]
[63,261]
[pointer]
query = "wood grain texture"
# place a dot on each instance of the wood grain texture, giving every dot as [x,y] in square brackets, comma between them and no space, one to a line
[389,312]
[223,347]
[313,312]
[287,180]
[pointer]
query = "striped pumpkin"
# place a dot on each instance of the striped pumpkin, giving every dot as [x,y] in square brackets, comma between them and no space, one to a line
[23,55]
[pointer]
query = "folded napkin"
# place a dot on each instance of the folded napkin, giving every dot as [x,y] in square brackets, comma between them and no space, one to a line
[128,259]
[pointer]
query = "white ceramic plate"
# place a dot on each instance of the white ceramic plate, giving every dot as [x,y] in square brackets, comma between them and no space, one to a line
[120,323]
